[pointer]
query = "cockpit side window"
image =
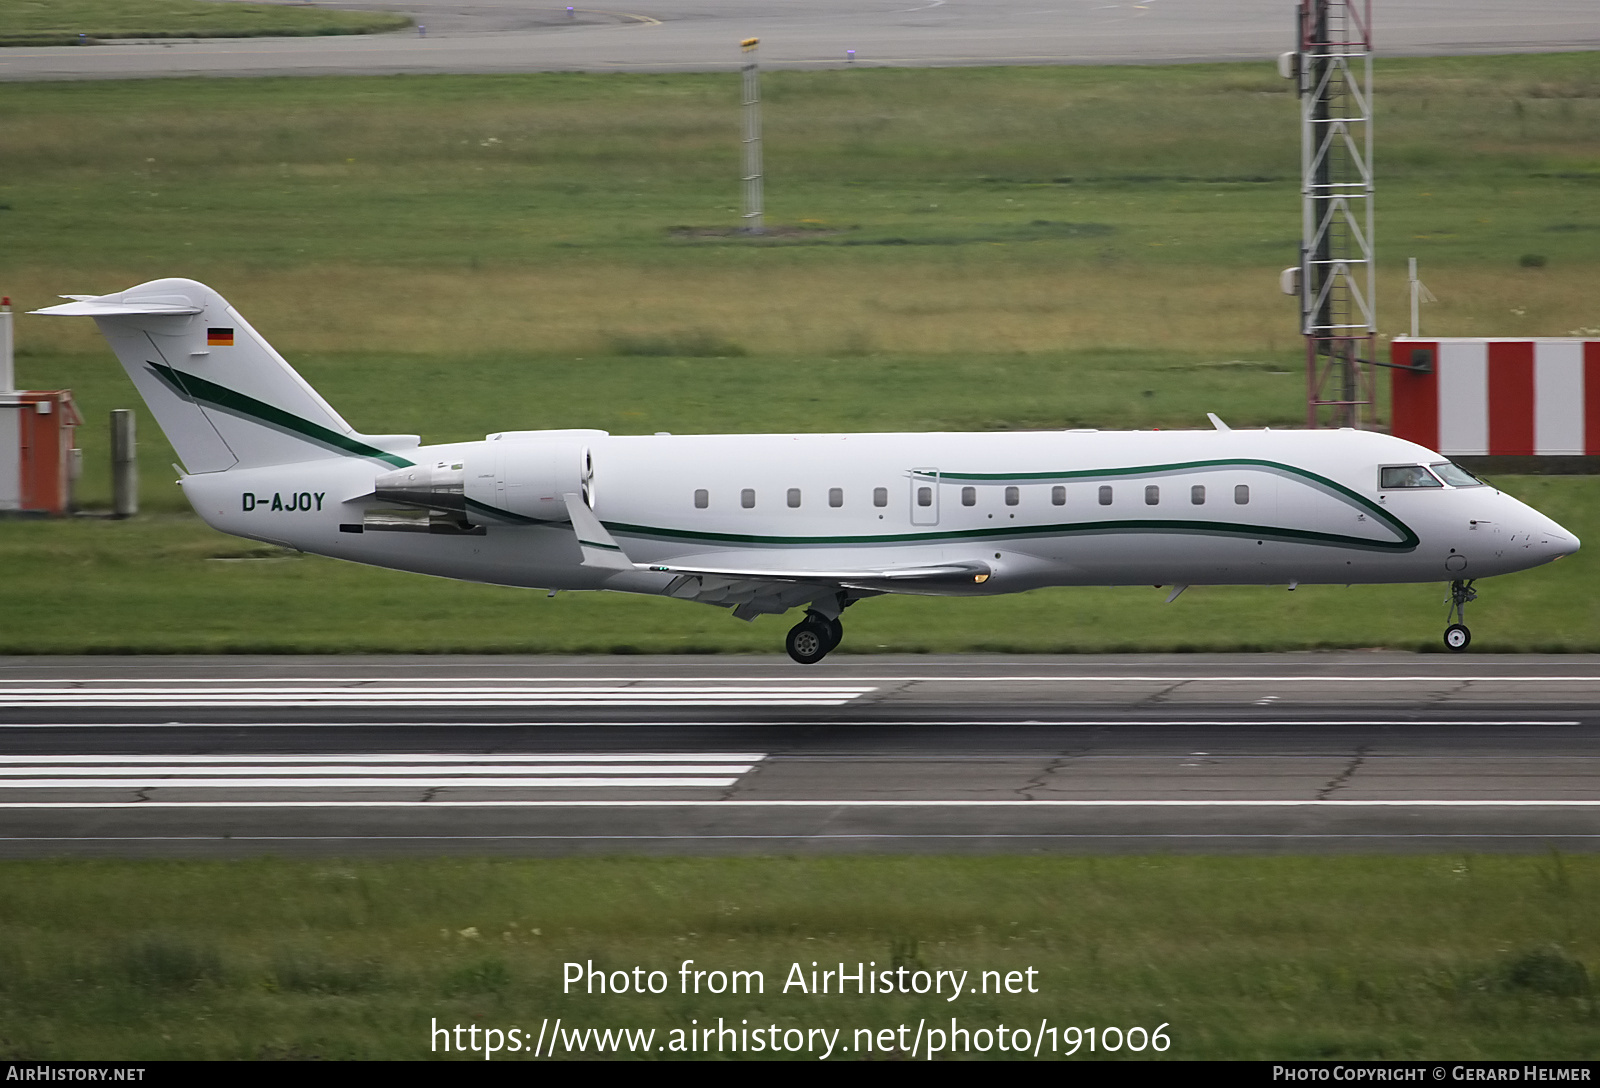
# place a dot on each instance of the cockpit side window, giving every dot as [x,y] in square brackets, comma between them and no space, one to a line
[1455,475]
[1392,477]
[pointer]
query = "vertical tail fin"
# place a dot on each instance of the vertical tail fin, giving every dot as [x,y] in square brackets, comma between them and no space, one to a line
[218,390]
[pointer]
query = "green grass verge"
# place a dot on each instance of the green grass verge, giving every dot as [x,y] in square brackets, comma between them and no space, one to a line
[61,22]
[1433,957]
[168,584]
[1041,209]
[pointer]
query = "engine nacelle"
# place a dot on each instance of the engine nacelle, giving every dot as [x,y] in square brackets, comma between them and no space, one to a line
[435,486]
[513,479]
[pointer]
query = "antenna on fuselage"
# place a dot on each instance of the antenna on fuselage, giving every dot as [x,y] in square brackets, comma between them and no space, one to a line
[1217,423]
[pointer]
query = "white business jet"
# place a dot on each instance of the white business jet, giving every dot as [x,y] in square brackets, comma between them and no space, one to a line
[762,523]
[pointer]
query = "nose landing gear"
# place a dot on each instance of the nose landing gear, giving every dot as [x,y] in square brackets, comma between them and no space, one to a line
[1456,636]
[813,638]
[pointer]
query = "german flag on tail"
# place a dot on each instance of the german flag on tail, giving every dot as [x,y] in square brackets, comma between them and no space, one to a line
[219,338]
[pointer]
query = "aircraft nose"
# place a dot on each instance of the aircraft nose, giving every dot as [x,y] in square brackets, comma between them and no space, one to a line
[1554,540]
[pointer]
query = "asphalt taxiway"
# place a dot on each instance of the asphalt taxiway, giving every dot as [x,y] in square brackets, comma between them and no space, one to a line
[547,756]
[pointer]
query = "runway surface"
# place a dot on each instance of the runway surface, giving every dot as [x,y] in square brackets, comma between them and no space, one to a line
[548,756]
[703,35]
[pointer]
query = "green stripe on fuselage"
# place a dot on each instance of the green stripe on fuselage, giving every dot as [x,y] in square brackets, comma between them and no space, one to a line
[1083,528]
[1340,491]
[1408,539]
[504,515]
[200,390]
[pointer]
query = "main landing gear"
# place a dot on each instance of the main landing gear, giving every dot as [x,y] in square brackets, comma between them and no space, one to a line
[813,638]
[1456,636]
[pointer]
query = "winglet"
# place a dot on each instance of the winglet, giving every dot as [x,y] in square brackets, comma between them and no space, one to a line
[599,550]
[1217,423]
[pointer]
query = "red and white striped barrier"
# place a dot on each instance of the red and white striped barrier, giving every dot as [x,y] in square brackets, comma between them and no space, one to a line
[1489,396]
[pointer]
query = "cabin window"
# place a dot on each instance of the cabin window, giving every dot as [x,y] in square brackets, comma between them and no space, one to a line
[747,498]
[1105,494]
[1396,476]
[1058,496]
[924,496]
[702,498]
[1241,494]
[794,498]
[880,496]
[836,496]
[1197,494]
[1152,495]
[1013,496]
[1455,475]
[969,496]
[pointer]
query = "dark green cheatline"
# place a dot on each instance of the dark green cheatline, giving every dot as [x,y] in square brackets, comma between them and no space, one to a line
[504,515]
[1407,541]
[1082,528]
[200,390]
[1337,489]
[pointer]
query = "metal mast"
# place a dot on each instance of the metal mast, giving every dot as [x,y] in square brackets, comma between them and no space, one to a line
[753,209]
[1337,272]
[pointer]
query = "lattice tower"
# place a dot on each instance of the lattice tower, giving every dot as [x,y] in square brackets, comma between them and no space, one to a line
[1337,271]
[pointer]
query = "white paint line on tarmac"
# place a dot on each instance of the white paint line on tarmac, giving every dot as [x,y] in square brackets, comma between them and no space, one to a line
[389,757]
[23,773]
[151,782]
[367,696]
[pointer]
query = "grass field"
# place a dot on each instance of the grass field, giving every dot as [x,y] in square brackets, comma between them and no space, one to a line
[962,248]
[1435,957]
[60,22]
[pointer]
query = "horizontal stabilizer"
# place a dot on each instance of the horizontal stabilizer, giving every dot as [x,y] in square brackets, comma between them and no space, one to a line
[93,306]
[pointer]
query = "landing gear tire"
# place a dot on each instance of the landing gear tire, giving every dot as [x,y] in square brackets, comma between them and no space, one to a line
[809,641]
[1456,636]
[834,628]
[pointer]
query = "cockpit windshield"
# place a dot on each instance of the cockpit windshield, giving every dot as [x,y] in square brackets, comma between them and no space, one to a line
[1455,475]
[1397,476]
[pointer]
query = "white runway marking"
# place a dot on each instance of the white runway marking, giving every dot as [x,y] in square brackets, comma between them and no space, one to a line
[424,772]
[389,757]
[291,693]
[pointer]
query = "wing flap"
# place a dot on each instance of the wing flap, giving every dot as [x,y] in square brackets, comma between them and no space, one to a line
[939,573]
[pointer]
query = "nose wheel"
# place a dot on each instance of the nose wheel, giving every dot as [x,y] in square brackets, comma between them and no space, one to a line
[813,638]
[1456,636]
